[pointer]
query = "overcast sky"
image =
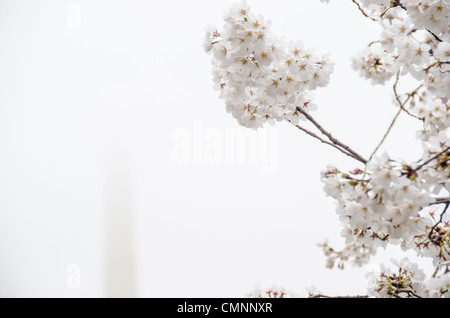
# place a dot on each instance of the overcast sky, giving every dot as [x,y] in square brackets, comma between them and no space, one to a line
[116,151]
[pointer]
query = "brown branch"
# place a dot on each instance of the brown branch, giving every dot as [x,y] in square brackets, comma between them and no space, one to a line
[323,140]
[398,3]
[362,11]
[434,35]
[385,135]
[430,235]
[383,239]
[431,159]
[445,264]
[427,69]
[394,3]
[397,97]
[409,292]
[402,108]
[437,63]
[385,11]
[440,201]
[331,138]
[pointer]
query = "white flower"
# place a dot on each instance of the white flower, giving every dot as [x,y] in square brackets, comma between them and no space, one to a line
[375,64]
[260,78]
[442,52]
[406,281]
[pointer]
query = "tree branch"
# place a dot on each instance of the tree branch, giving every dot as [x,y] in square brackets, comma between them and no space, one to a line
[324,141]
[409,292]
[431,159]
[399,4]
[331,138]
[430,235]
[402,108]
[362,11]
[397,97]
[385,135]
[440,201]
[434,35]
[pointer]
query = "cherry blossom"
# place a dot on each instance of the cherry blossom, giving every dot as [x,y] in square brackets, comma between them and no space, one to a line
[383,201]
[261,78]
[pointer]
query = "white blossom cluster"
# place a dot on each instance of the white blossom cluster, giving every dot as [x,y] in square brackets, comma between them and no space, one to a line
[432,15]
[433,242]
[437,287]
[386,204]
[435,114]
[260,78]
[390,201]
[272,292]
[382,199]
[387,201]
[356,250]
[415,40]
[375,64]
[407,280]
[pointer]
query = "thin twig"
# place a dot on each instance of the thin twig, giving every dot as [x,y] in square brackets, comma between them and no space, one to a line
[440,201]
[434,35]
[437,63]
[430,235]
[385,11]
[324,141]
[324,296]
[397,97]
[331,138]
[395,3]
[445,264]
[402,105]
[409,292]
[431,159]
[363,12]
[399,4]
[385,135]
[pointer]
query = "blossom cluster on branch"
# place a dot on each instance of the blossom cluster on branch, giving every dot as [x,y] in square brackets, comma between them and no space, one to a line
[261,78]
[383,201]
[395,202]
